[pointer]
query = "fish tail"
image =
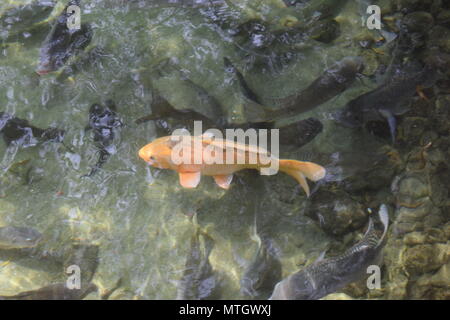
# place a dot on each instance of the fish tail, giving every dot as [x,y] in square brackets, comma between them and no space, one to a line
[301,169]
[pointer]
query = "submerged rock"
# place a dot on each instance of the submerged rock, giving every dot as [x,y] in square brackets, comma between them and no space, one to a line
[418,21]
[428,236]
[337,296]
[442,114]
[336,213]
[435,287]
[439,36]
[425,258]
[443,18]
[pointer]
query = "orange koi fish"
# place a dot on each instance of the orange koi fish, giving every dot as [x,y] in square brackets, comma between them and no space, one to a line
[160,154]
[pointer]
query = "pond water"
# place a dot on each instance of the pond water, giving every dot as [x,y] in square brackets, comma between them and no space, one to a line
[148,228]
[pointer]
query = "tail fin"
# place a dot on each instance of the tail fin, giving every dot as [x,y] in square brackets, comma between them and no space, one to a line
[384,218]
[301,169]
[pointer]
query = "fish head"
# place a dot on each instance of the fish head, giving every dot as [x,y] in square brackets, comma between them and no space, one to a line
[158,153]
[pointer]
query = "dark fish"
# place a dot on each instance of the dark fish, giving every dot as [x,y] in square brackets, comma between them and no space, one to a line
[198,281]
[333,82]
[264,270]
[18,238]
[326,276]
[103,120]
[21,132]
[390,99]
[162,109]
[57,291]
[62,43]
[245,88]
[300,133]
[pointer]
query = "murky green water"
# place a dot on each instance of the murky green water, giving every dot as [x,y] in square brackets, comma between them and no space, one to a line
[141,218]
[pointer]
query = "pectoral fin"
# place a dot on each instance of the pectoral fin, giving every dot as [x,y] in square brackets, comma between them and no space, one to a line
[303,183]
[190,179]
[224,181]
[391,121]
[321,256]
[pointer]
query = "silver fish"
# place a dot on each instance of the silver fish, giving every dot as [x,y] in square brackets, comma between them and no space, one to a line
[326,276]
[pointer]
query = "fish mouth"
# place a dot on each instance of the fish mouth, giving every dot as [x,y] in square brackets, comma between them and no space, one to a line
[44,68]
[144,156]
[42,72]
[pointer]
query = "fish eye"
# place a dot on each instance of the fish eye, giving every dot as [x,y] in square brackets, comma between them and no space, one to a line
[152,158]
